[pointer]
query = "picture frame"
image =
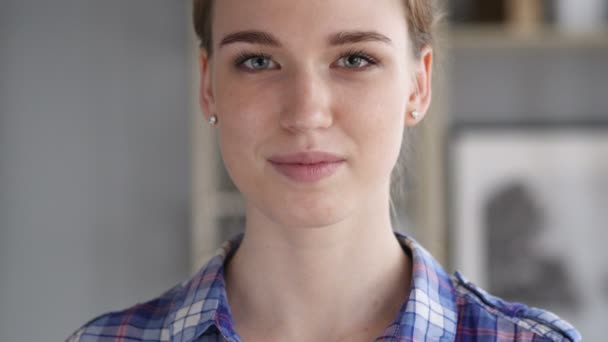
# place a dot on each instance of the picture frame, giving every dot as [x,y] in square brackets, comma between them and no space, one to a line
[527,209]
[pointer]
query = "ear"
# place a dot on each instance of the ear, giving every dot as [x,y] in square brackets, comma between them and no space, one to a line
[206,98]
[420,97]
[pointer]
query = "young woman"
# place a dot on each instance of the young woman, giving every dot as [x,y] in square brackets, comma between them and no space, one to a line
[311,99]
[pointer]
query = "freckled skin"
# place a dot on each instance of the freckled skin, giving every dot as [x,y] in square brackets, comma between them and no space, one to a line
[310,104]
[307,96]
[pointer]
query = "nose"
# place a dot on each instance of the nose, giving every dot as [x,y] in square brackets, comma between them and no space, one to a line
[307,103]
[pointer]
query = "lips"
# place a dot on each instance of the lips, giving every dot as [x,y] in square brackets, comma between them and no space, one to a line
[306,167]
[306,158]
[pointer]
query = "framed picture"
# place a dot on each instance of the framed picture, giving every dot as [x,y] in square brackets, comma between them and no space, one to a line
[528,213]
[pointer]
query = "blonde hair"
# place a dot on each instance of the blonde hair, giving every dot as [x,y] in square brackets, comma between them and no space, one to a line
[421,16]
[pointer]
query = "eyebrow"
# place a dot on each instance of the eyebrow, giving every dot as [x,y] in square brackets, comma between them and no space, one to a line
[339,38]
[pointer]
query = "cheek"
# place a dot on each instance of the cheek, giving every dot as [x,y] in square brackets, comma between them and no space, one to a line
[374,119]
[375,116]
[235,143]
[246,102]
[246,122]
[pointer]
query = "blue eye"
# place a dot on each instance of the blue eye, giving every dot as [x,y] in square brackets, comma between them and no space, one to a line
[354,61]
[253,61]
[355,58]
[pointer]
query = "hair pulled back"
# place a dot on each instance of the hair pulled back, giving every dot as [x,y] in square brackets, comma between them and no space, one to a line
[421,17]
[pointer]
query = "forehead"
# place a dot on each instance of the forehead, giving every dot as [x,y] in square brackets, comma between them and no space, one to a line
[299,23]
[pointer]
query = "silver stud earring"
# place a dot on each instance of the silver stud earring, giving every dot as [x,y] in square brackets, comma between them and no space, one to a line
[213,120]
[415,114]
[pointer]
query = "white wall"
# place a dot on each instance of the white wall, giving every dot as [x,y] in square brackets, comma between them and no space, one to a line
[94,160]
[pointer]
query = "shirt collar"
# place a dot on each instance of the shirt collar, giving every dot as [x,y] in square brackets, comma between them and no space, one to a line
[428,313]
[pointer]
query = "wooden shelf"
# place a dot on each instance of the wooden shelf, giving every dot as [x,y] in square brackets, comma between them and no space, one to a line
[504,36]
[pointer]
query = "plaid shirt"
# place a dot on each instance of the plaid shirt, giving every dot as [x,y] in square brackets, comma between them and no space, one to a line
[440,307]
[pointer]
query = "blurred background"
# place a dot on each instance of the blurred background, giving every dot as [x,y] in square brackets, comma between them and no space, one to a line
[112,188]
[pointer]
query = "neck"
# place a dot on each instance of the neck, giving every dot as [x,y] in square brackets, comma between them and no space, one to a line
[324,282]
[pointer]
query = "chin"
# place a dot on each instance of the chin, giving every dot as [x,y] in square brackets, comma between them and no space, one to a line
[309,216]
[313,208]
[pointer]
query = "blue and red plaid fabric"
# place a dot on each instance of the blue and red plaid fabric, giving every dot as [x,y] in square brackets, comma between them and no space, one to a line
[440,307]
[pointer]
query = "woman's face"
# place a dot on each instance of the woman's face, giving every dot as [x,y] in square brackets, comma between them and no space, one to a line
[320,76]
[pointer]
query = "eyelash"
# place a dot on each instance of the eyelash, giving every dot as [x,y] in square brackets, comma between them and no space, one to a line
[243,56]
